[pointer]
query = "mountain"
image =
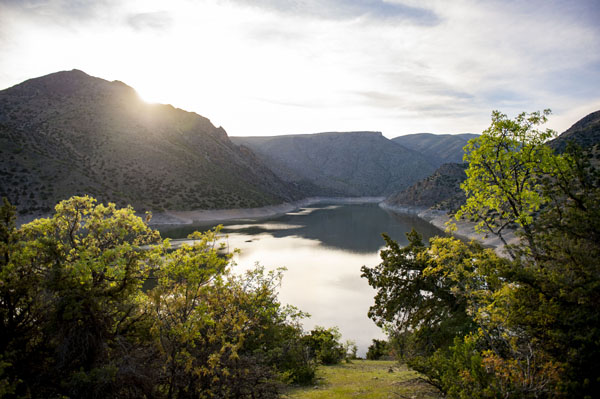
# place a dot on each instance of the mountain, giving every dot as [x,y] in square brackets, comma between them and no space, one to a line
[440,190]
[585,133]
[438,148]
[69,133]
[340,164]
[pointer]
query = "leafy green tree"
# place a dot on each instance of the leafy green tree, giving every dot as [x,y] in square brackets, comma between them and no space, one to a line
[325,345]
[506,165]
[552,204]
[409,299]
[72,297]
[78,321]
[13,297]
[378,349]
[350,350]
[530,321]
[220,334]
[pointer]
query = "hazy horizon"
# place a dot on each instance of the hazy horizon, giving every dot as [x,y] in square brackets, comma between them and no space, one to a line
[273,67]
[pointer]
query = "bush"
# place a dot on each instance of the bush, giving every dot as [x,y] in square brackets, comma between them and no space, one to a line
[76,321]
[325,345]
[378,349]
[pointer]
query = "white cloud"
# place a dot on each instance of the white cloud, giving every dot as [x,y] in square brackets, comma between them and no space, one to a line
[276,67]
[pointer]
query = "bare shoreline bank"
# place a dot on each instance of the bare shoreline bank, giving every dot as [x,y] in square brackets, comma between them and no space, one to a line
[437,218]
[464,229]
[203,216]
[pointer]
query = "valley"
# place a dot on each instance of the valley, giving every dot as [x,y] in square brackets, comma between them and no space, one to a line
[303,214]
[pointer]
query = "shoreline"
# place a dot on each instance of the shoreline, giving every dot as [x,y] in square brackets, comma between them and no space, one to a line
[438,218]
[206,216]
[464,230]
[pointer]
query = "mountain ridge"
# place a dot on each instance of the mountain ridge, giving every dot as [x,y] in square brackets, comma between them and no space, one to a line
[438,148]
[360,163]
[69,133]
[585,133]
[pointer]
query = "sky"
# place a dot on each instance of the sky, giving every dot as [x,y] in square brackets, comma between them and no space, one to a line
[271,67]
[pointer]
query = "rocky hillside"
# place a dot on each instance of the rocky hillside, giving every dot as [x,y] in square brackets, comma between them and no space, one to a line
[440,190]
[69,133]
[437,148]
[585,133]
[340,164]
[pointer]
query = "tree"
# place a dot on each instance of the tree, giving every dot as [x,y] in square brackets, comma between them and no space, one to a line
[506,166]
[325,345]
[378,349]
[71,287]
[77,320]
[552,203]
[428,299]
[411,300]
[530,321]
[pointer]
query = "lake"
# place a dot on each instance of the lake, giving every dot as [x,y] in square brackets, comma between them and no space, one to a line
[323,248]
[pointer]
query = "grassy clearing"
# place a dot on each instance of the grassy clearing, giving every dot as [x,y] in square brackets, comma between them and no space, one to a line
[371,379]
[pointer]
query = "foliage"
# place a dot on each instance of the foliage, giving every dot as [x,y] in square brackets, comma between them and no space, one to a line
[548,307]
[408,296]
[70,297]
[529,322]
[506,164]
[378,349]
[350,350]
[76,321]
[325,345]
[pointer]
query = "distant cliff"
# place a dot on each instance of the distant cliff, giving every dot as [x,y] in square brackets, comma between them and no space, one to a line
[69,133]
[437,148]
[340,164]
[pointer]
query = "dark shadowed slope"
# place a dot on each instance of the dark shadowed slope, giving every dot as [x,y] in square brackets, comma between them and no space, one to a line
[585,133]
[437,148]
[440,190]
[342,164]
[69,133]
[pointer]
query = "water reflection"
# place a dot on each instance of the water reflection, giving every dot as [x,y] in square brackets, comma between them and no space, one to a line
[323,249]
[354,228]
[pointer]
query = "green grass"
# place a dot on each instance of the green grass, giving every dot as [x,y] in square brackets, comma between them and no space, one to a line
[370,379]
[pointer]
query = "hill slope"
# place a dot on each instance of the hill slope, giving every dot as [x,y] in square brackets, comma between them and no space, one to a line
[585,133]
[437,148]
[69,133]
[440,190]
[340,164]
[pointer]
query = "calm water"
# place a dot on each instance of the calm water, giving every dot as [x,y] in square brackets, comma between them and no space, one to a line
[323,249]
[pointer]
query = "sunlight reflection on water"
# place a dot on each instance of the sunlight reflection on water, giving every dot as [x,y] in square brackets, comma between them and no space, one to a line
[323,249]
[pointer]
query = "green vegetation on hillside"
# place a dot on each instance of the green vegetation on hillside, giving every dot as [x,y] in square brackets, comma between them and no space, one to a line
[94,304]
[585,133]
[526,325]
